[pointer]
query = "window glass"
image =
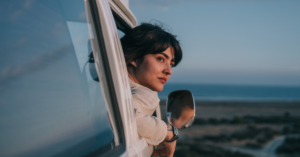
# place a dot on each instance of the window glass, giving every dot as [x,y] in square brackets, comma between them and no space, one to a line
[120,33]
[49,103]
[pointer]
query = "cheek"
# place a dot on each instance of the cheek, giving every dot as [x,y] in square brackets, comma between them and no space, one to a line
[149,69]
[147,74]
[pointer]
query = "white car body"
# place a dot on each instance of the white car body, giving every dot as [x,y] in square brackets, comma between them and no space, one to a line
[50,102]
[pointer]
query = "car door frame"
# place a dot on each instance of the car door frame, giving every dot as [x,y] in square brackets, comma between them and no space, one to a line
[101,15]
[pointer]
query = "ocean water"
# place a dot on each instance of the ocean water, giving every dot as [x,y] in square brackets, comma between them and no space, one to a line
[235,92]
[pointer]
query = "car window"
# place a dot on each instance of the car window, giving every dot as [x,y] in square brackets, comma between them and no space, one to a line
[120,33]
[50,102]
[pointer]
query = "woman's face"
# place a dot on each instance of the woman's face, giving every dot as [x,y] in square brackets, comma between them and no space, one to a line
[155,69]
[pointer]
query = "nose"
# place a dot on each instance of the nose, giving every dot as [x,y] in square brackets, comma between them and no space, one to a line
[168,70]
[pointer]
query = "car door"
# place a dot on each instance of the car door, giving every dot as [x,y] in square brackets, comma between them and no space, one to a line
[111,19]
[58,93]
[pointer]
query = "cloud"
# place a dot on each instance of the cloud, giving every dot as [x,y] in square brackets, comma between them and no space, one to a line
[28,3]
[160,4]
[164,8]
[164,3]
[19,11]
[82,15]
[16,15]
[21,41]
[36,63]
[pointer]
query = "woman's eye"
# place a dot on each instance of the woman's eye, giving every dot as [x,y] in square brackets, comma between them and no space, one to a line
[160,59]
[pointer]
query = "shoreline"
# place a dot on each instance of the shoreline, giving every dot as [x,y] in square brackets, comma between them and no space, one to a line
[238,103]
[230,109]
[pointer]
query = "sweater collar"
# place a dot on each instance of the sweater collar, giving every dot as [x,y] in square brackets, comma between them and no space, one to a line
[144,94]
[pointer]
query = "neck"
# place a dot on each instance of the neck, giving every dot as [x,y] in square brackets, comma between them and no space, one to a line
[131,75]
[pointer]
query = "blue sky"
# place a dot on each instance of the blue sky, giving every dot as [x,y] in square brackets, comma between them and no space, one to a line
[249,42]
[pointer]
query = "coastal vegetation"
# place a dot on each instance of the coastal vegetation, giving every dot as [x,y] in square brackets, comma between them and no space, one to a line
[291,145]
[220,126]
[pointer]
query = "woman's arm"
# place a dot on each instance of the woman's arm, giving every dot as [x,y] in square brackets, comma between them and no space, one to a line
[170,145]
[152,129]
[170,134]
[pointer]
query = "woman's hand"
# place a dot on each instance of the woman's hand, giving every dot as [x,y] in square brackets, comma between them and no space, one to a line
[170,148]
[170,145]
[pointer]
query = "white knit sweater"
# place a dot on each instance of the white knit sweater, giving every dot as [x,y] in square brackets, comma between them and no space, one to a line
[144,102]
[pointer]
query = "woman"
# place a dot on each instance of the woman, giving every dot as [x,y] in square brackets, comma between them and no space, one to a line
[150,53]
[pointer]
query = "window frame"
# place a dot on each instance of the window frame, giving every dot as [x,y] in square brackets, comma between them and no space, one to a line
[121,24]
[112,98]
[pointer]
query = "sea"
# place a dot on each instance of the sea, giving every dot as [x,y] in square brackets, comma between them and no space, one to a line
[210,92]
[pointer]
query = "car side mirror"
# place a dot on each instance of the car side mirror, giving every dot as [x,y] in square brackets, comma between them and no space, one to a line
[181,108]
[92,67]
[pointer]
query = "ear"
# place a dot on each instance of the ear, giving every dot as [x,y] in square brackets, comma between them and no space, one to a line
[133,63]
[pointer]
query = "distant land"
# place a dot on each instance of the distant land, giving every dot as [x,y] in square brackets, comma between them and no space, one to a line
[235,92]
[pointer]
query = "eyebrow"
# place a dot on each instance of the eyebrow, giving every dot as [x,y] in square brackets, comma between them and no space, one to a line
[173,60]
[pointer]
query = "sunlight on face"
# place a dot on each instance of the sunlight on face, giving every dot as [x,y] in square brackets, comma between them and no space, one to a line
[155,69]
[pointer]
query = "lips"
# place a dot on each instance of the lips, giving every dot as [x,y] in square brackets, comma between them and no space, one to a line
[163,80]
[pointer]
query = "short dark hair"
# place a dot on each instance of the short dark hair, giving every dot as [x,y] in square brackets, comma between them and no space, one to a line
[149,39]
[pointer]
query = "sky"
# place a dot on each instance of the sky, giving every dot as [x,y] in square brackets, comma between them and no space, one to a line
[244,42]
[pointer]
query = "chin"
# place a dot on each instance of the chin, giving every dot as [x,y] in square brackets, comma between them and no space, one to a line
[159,89]
[156,87]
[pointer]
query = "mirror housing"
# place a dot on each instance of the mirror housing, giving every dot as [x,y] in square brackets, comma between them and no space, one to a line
[92,67]
[181,108]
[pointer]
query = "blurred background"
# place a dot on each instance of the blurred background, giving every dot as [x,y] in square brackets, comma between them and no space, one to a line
[241,62]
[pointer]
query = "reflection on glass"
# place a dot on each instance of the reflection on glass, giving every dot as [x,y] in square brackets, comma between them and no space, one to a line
[50,105]
[181,108]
